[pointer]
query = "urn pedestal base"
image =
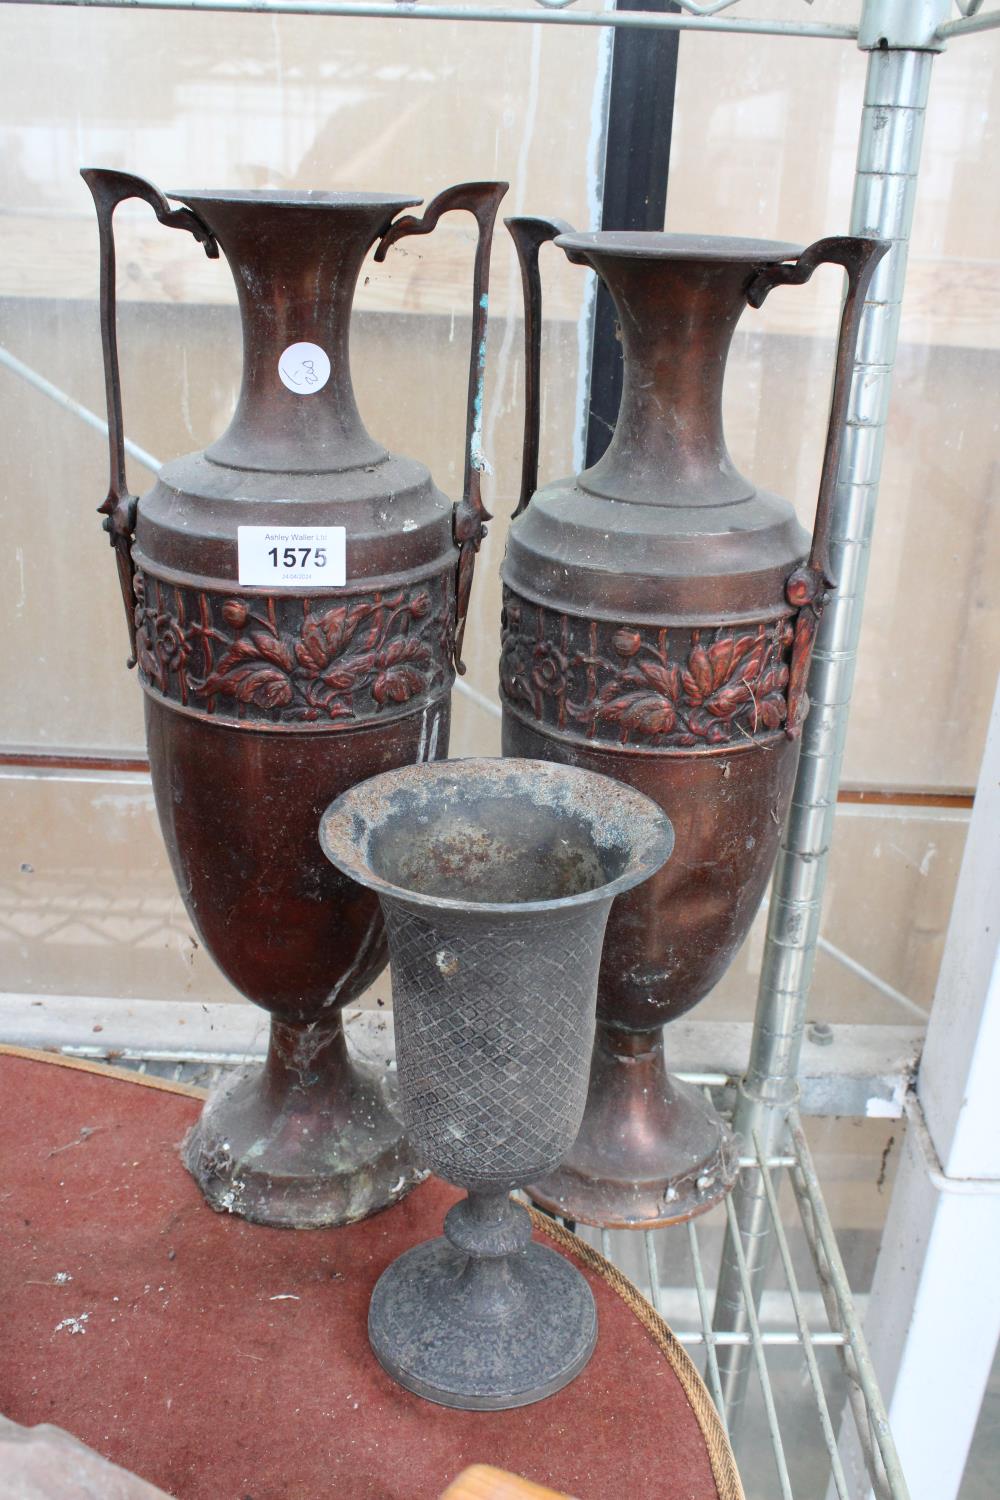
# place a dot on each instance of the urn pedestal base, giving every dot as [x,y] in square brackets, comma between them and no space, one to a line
[484,1320]
[651,1150]
[307,1141]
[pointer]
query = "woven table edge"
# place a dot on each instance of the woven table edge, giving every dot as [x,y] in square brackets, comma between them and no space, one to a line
[104,1070]
[720,1454]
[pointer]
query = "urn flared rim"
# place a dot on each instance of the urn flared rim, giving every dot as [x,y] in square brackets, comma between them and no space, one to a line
[297,197]
[643,244]
[633,825]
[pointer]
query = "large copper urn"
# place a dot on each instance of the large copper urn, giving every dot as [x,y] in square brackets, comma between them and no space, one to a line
[296,597]
[659,613]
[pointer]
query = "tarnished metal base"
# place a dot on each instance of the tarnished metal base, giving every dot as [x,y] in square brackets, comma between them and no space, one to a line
[651,1150]
[307,1141]
[484,1331]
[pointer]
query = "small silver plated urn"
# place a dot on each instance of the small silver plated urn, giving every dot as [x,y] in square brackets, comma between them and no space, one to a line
[496,878]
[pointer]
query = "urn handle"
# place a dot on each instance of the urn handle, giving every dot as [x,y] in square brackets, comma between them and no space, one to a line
[482,200]
[808,586]
[529,235]
[109,188]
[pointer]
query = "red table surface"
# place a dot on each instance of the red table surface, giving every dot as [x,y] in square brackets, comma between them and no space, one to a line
[220,1359]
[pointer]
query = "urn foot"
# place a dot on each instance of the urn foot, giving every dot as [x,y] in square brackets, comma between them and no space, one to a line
[307,1141]
[651,1150]
[482,1331]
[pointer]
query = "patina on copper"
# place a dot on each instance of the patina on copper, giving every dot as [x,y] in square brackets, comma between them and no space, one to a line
[496,879]
[659,613]
[264,702]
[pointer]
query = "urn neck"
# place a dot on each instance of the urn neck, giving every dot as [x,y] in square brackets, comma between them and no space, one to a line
[296,259]
[677,317]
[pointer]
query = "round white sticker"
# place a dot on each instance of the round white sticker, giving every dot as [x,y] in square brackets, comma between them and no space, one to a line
[304,369]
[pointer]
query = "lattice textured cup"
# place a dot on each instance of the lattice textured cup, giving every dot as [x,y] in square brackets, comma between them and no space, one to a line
[496,878]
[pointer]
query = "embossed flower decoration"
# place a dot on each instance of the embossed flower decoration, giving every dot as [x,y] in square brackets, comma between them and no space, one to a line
[626,642]
[718,677]
[653,685]
[255,669]
[336,653]
[235,613]
[515,670]
[515,656]
[173,644]
[731,679]
[720,683]
[149,666]
[549,670]
[399,678]
[771,700]
[651,707]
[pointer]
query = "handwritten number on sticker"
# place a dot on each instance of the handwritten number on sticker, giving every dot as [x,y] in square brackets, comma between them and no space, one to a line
[304,368]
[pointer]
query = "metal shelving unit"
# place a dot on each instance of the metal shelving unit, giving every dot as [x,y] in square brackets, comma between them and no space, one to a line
[787,1335]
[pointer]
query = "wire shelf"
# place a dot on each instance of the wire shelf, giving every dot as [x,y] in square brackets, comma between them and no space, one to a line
[805,1342]
[706,17]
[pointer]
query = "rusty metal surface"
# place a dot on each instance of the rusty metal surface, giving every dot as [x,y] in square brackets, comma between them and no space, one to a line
[496,879]
[659,613]
[263,701]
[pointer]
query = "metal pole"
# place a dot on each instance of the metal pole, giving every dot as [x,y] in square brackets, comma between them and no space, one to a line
[884,191]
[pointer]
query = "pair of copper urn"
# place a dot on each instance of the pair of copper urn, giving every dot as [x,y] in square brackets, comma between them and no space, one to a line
[296,599]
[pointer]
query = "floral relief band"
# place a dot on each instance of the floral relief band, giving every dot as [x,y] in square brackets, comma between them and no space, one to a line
[651,686]
[324,661]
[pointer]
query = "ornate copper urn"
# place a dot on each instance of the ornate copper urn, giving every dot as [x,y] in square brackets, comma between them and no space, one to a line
[496,879]
[659,614]
[296,597]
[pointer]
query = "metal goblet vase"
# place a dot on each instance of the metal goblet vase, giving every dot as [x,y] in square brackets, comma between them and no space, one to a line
[496,878]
